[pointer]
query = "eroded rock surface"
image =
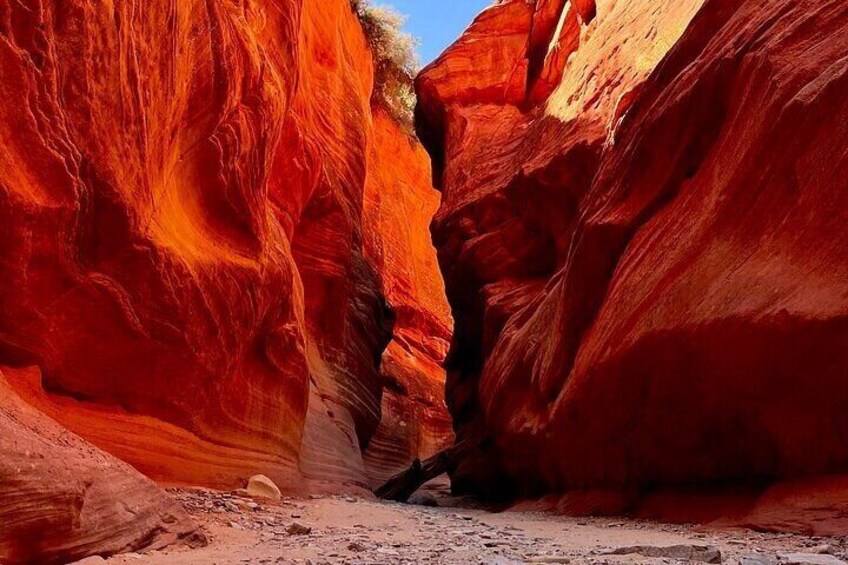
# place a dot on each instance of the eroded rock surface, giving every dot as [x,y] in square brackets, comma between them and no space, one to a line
[189,277]
[399,205]
[648,265]
[63,499]
[183,250]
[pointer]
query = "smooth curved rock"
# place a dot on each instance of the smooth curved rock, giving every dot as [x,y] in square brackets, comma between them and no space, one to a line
[188,277]
[263,487]
[399,205]
[64,499]
[647,268]
[183,260]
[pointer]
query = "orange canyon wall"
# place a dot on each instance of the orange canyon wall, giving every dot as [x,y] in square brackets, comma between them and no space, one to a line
[204,247]
[644,239]
[399,205]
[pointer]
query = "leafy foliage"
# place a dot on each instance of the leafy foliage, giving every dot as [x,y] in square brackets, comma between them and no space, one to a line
[395,59]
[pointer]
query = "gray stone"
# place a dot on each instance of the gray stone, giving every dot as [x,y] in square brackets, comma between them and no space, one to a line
[423,499]
[298,529]
[702,553]
[356,547]
[758,559]
[810,559]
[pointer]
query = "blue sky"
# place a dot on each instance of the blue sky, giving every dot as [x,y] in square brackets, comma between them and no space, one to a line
[437,23]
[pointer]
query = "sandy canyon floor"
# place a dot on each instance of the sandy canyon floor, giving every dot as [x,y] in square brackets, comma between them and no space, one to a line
[351,530]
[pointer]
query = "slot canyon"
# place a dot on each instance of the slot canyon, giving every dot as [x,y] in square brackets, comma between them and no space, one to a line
[575,292]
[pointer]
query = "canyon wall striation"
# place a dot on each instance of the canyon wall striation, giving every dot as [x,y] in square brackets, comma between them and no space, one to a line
[205,244]
[399,204]
[644,238]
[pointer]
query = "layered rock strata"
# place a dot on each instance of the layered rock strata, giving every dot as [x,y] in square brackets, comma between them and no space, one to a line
[63,499]
[399,205]
[643,235]
[187,278]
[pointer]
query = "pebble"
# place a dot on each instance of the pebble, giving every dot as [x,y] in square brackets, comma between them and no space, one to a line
[758,560]
[298,529]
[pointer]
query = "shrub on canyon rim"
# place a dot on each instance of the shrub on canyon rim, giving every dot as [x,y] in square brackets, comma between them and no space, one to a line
[395,60]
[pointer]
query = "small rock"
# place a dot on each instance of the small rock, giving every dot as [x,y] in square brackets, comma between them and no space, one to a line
[703,553]
[234,525]
[547,559]
[298,529]
[759,559]
[824,548]
[356,546]
[810,559]
[463,517]
[423,499]
[263,487]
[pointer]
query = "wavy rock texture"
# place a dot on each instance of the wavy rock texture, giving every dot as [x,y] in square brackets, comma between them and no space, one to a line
[184,278]
[130,286]
[399,205]
[64,499]
[648,264]
[317,184]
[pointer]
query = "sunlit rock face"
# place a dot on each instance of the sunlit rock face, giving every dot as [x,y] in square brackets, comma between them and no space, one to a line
[187,261]
[399,205]
[643,235]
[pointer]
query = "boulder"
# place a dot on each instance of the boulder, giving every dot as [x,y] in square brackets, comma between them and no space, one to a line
[261,486]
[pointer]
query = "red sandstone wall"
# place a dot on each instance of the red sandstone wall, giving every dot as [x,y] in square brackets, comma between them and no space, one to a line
[144,267]
[188,279]
[399,205]
[648,265]
[63,499]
